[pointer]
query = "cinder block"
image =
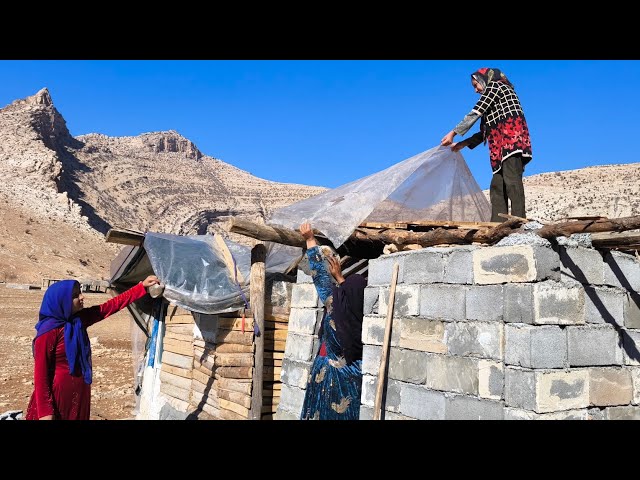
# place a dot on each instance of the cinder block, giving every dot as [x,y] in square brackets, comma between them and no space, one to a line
[458,267]
[424,266]
[622,413]
[452,374]
[490,379]
[422,334]
[604,305]
[371,358]
[635,381]
[443,302]
[460,407]
[475,339]
[291,400]
[371,295]
[594,345]
[408,365]
[518,303]
[535,346]
[584,265]
[558,304]
[610,386]
[381,269]
[295,374]
[631,346]
[420,403]
[632,310]
[622,270]
[515,264]
[406,301]
[373,330]
[484,303]
[299,347]
[304,320]
[304,295]
[562,390]
[520,388]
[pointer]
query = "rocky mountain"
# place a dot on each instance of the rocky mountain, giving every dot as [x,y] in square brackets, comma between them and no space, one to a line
[60,194]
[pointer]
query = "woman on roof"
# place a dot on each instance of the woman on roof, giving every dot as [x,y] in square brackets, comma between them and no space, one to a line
[504,128]
[62,371]
[335,381]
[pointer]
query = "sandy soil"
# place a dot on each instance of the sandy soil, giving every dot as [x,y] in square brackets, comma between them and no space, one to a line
[113,397]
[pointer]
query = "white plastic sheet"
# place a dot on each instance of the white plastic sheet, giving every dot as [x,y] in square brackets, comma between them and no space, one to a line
[433,185]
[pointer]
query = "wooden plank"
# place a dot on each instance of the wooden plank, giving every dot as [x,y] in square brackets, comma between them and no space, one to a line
[274,345]
[176,392]
[236,397]
[276,325]
[177,360]
[180,319]
[277,355]
[230,336]
[124,236]
[234,360]
[182,372]
[257,289]
[272,386]
[269,408]
[235,372]
[179,349]
[240,385]
[235,324]
[271,393]
[179,329]
[431,223]
[177,343]
[175,380]
[204,367]
[269,400]
[615,239]
[272,362]
[198,342]
[179,337]
[223,249]
[203,378]
[234,407]
[234,348]
[279,335]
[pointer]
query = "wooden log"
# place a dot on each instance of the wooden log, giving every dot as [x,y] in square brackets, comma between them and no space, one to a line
[234,407]
[182,372]
[589,226]
[176,392]
[235,372]
[257,289]
[175,380]
[177,360]
[203,378]
[615,239]
[234,360]
[240,385]
[235,397]
[231,336]
[178,337]
[234,348]
[204,366]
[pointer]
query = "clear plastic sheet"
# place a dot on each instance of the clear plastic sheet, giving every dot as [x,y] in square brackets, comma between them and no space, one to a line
[207,273]
[433,185]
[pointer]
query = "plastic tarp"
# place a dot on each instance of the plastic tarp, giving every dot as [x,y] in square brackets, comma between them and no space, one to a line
[207,273]
[433,185]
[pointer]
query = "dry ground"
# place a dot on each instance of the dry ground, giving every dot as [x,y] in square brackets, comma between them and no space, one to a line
[113,397]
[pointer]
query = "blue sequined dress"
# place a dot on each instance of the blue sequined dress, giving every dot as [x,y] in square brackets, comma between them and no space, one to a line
[334,387]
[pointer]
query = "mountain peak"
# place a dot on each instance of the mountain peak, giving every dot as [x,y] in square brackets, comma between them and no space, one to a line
[43,97]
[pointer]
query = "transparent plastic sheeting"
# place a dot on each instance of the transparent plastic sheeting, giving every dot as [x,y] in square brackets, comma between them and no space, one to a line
[433,185]
[198,271]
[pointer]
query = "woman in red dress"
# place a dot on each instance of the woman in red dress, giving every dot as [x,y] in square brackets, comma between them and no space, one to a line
[62,353]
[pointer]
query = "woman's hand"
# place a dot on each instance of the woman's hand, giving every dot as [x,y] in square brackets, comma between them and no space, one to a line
[448,139]
[150,280]
[335,268]
[456,147]
[307,234]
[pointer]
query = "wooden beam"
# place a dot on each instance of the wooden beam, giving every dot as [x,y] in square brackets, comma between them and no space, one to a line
[256,292]
[615,239]
[124,236]
[589,226]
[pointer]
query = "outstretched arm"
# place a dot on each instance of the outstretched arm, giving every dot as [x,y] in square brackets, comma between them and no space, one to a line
[96,313]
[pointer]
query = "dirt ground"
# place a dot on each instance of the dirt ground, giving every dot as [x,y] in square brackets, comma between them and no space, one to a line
[113,397]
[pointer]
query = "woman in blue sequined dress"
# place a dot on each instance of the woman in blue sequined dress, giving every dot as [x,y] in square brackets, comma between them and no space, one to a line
[335,382]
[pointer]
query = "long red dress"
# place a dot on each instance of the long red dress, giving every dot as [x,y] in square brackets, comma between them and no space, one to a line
[56,391]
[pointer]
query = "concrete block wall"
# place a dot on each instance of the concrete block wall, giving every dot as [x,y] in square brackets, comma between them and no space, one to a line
[493,332]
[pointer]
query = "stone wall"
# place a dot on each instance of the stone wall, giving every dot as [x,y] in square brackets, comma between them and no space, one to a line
[525,331]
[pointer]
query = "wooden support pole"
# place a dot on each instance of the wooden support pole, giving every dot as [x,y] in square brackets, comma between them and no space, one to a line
[256,292]
[382,371]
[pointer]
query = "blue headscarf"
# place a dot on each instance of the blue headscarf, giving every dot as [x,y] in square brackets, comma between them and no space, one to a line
[55,312]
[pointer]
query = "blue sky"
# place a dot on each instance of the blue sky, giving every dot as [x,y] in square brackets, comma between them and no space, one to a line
[326,122]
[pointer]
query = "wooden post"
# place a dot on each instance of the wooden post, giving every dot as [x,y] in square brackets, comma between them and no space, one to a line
[256,298]
[382,371]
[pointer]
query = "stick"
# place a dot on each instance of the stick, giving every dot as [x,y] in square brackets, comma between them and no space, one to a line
[258,255]
[382,372]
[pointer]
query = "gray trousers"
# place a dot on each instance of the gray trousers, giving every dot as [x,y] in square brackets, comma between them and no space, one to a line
[506,185]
